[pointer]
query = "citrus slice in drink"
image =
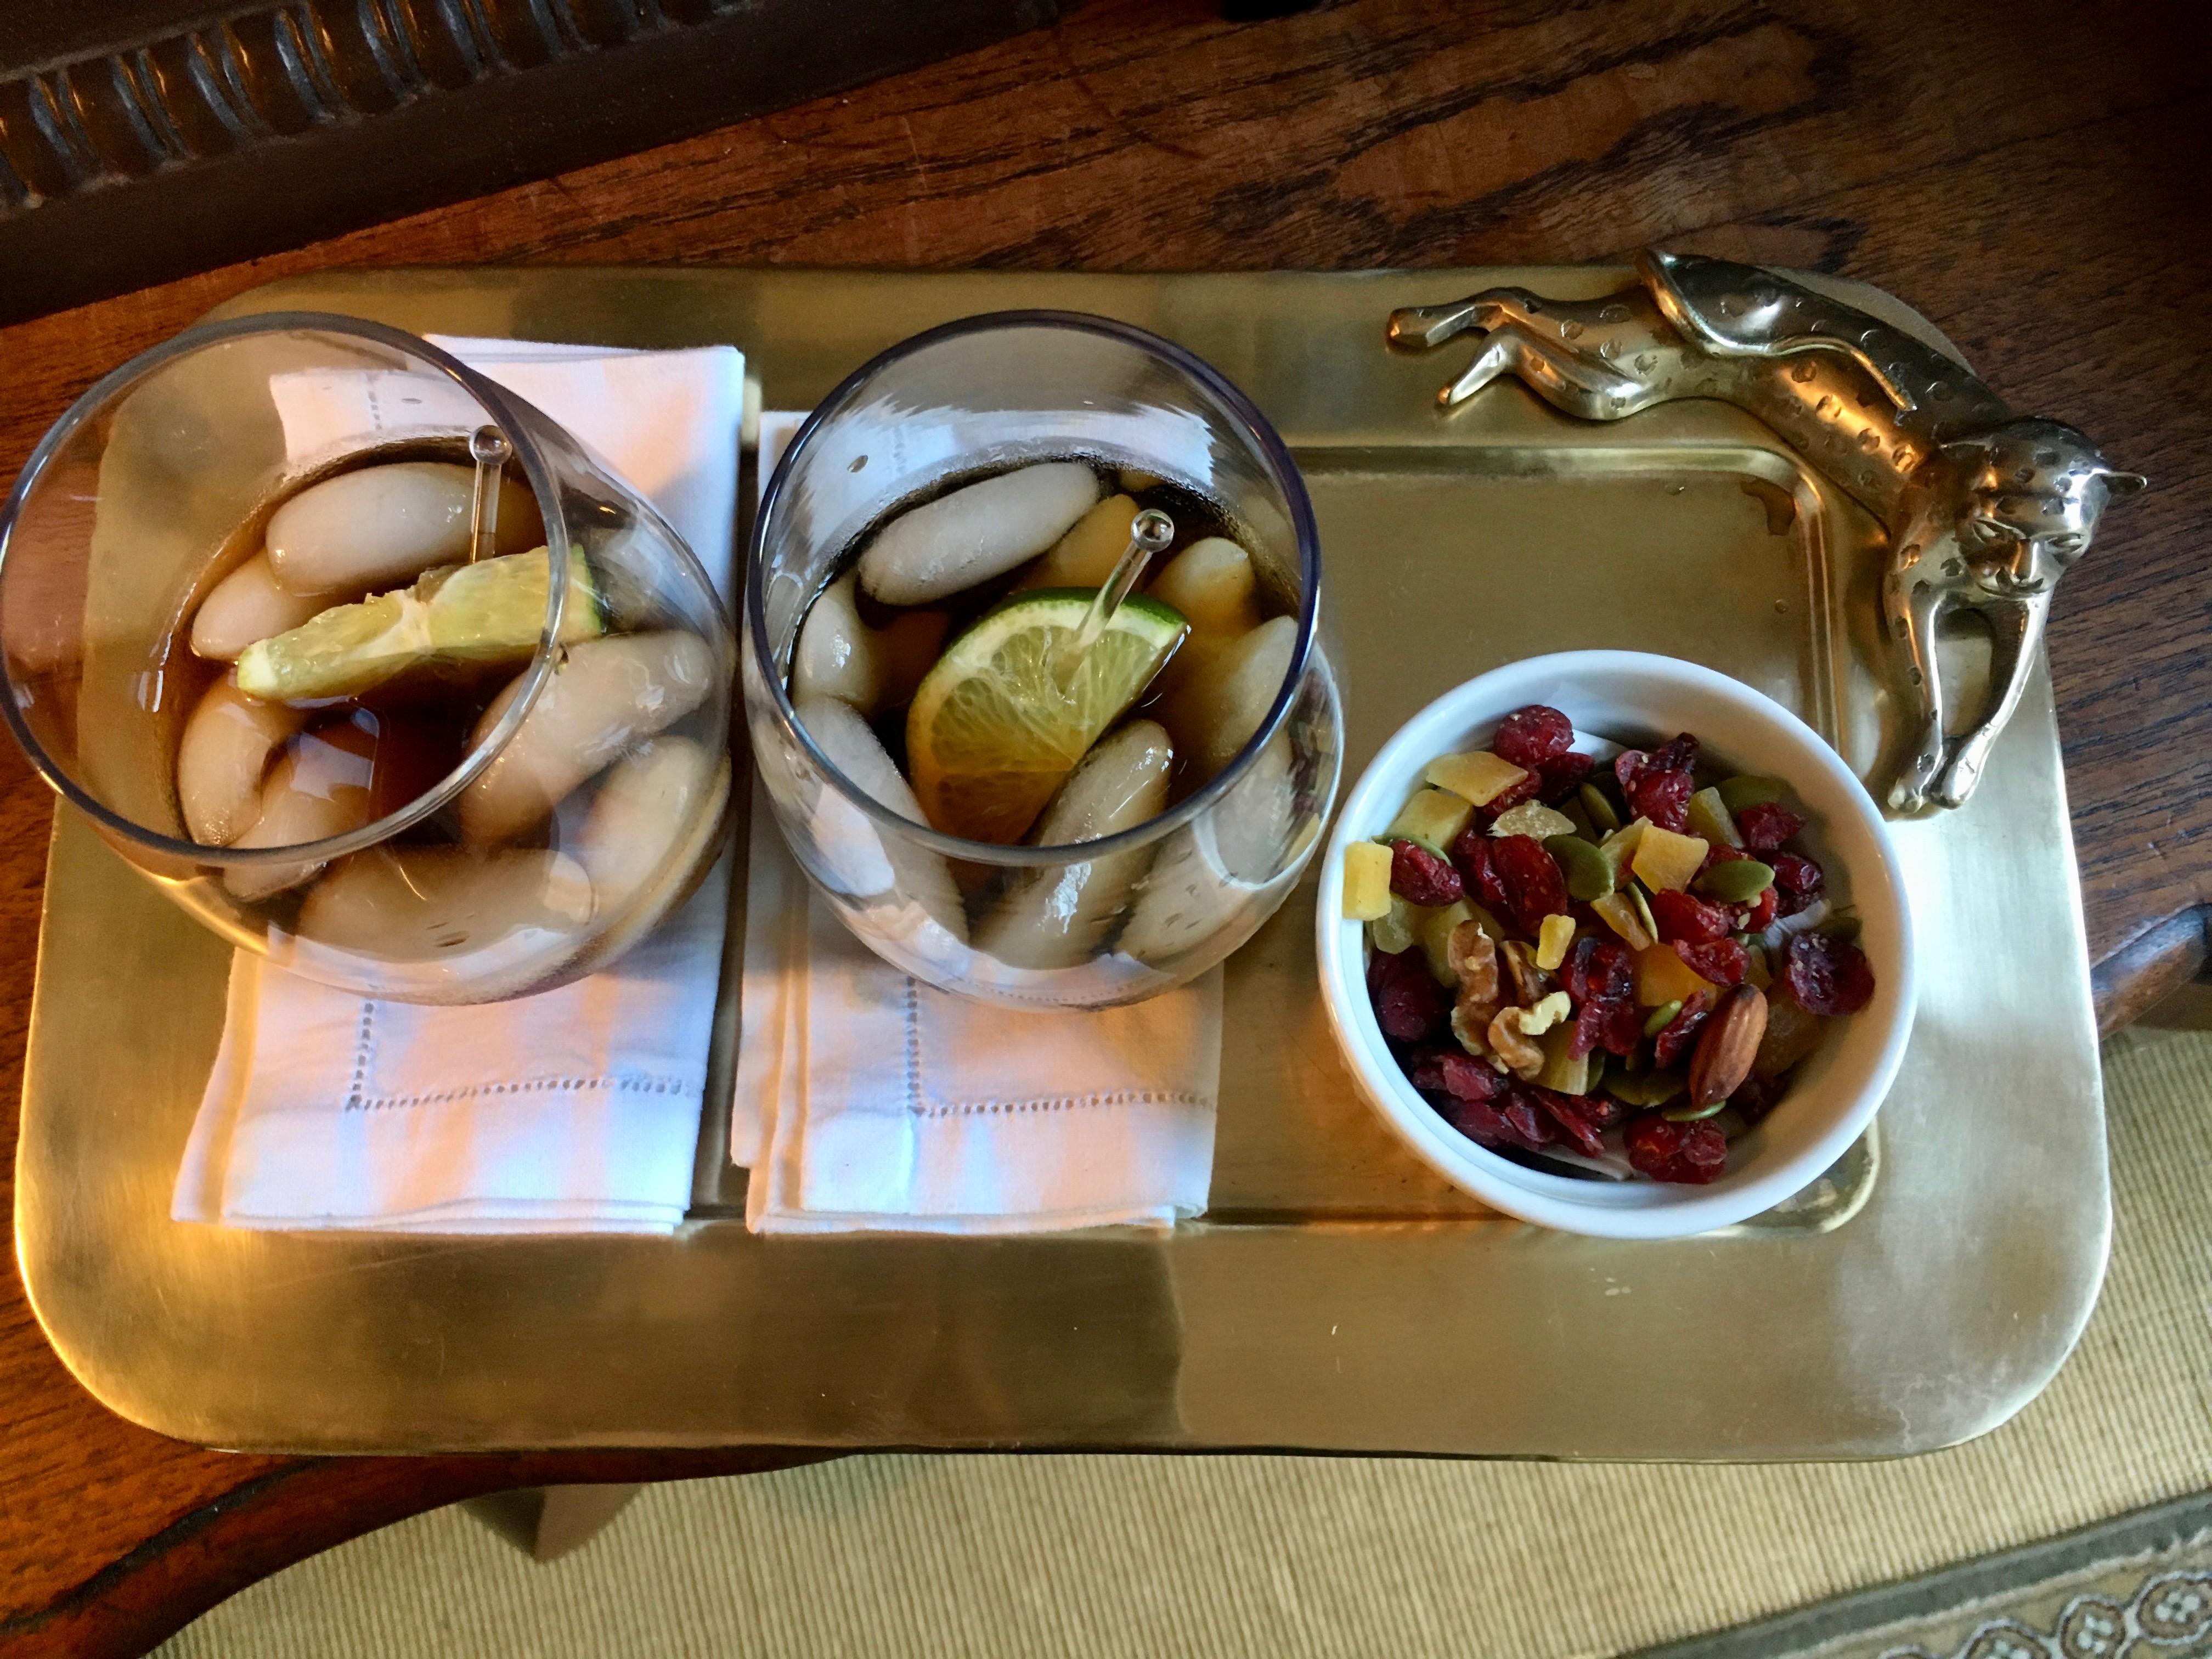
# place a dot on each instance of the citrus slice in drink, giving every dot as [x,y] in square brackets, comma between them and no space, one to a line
[488,613]
[993,730]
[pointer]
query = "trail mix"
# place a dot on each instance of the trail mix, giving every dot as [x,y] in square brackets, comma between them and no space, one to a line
[1602,961]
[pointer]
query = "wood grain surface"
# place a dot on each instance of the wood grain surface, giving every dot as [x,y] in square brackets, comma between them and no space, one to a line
[2033,178]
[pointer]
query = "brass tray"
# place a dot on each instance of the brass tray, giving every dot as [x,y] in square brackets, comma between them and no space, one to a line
[1336,1296]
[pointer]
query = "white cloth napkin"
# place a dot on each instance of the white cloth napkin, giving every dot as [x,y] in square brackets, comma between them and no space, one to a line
[868,1101]
[574,1110]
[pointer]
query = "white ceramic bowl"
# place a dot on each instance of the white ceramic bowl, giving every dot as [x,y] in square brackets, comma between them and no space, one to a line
[1640,700]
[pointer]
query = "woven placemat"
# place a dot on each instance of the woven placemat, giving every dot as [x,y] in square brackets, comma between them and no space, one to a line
[1285,1556]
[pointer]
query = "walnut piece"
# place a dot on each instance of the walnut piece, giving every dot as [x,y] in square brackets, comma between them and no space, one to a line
[1531,984]
[1473,955]
[1509,1040]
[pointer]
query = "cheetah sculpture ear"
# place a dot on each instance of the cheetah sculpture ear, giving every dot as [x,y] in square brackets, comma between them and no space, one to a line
[2120,485]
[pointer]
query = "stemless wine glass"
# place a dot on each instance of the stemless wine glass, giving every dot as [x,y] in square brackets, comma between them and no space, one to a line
[547,778]
[1189,886]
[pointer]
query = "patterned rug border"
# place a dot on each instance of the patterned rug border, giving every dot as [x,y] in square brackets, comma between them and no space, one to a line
[1954,1589]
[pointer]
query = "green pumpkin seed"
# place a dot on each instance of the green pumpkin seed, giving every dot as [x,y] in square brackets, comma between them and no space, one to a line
[1662,1016]
[1735,882]
[1842,925]
[1693,1114]
[1650,1088]
[1590,875]
[1708,818]
[1739,792]
[1643,908]
[1602,817]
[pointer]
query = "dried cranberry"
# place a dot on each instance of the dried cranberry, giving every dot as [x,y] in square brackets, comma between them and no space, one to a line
[1511,1120]
[1604,1110]
[1625,765]
[1533,887]
[1765,825]
[1755,915]
[1685,916]
[1755,1097]
[1480,1121]
[1478,871]
[1531,1123]
[1465,1077]
[1687,1154]
[1721,960]
[1584,1125]
[1798,883]
[1663,797]
[1562,776]
[1720,852]
[1522,788]
[1826,975]
[1421,877]
[1623,1028]
[1409,1004]
[1530,737]
[1600,976]
[1678,754]
[1598,971]
[1675,1035]
[1425,1067]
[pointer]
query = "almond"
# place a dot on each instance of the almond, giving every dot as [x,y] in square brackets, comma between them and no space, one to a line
[1728,1045]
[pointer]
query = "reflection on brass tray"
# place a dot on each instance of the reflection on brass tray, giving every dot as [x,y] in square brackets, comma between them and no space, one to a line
[1985,510]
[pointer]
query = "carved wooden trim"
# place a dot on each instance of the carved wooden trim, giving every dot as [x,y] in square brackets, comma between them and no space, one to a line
[278,125]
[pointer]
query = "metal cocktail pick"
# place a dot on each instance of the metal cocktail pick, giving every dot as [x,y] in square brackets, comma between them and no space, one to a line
[489,449]
[1150,532]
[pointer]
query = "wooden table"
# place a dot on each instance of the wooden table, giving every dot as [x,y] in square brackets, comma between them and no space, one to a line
[2033,180]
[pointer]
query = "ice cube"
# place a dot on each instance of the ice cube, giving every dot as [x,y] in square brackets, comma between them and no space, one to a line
[1086,556]
[389,523]
[852,843]
[1215,709]
[979,531]
[1213,583]
[421,904]
[840,656]
[246,605]
[223,757]
[605,696]
[316,790]
[1058,917]
[646,803]
[1221,870]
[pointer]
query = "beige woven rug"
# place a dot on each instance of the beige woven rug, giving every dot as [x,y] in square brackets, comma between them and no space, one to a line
[1283,1556]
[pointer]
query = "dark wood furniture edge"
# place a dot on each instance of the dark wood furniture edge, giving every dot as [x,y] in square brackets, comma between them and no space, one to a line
[273,1519]
[285,123]
[2132,979]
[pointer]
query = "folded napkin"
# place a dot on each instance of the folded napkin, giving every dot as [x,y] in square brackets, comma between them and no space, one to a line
[867,1100]
[574,1110]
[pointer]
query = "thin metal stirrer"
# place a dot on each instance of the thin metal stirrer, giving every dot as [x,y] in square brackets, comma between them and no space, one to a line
[1150,531]
[489,448]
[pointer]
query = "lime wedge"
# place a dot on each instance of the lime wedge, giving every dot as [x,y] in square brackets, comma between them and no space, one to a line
[488,613]
[993,732]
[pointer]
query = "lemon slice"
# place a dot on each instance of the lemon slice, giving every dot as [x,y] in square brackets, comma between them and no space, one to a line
[993,732]
[488,612]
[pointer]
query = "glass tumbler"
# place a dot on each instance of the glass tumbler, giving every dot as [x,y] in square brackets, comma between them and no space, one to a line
[363,660]
[1158,903]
